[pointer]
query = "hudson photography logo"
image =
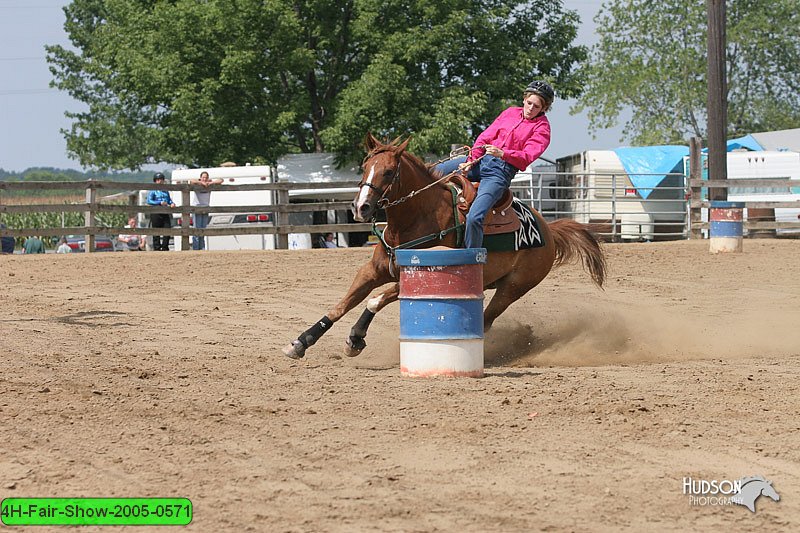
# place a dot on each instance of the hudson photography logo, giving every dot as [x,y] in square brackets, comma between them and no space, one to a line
[721,492]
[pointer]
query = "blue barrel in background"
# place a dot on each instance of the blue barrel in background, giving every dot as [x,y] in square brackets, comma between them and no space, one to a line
[441,312]
[725,226]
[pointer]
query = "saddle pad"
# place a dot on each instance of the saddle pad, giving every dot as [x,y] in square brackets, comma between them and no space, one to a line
[527,236]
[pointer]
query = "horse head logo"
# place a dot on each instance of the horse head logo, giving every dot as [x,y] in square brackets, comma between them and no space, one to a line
[752,488]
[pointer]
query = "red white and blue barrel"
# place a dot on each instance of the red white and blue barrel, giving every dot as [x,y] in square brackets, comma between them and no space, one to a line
[441,312]
[725,226]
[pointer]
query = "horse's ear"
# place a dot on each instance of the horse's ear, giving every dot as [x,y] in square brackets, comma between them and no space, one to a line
[370,142]
[403,145]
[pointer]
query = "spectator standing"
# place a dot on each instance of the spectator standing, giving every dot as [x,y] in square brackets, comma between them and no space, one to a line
[33,245]
[160,220]
[202,198]
[63,247]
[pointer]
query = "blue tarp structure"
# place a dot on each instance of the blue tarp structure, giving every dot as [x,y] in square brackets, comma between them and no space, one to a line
[647,166]
[748,142]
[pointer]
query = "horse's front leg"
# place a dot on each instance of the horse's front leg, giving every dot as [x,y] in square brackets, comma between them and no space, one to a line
[367,279]
[355,342]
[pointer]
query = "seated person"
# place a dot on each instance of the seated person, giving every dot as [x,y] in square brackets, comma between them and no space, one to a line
[33,245]
[132,241]
[328,241]
[63,247]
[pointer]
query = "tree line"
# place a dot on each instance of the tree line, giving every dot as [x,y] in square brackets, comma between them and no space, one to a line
[58,174]
[198,83]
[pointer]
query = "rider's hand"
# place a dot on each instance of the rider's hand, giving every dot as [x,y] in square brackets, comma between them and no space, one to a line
[494,151]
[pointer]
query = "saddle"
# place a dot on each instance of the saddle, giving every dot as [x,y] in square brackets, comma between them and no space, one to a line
[501,218]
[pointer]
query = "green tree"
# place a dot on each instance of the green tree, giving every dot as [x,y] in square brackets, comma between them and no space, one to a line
[191,82]
[651,59]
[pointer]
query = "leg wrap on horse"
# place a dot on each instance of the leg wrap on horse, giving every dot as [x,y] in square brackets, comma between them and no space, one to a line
[312,334]
[359,331]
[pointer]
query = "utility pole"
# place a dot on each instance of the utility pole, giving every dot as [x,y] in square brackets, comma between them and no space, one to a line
[717,99]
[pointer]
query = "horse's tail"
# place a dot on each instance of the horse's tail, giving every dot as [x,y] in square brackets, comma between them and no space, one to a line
[575,239]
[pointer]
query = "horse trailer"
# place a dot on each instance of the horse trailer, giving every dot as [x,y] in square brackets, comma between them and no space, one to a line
[235,175]
[293,168]
[594,187]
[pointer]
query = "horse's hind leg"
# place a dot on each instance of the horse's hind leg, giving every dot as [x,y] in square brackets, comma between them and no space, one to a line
[511,288]
[355,342]
[505,295]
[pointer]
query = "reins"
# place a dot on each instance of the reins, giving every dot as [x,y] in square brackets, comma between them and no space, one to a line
[384,204]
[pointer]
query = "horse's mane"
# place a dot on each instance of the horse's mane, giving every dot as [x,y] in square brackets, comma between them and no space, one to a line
[419,164]
[426,169]
[745,480]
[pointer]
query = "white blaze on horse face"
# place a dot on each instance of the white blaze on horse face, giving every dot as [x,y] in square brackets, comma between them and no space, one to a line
[362,194]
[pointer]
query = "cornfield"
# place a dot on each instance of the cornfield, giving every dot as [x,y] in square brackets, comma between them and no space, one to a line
[55,220]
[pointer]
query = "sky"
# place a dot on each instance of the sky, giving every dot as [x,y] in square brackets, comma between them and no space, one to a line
[32,113]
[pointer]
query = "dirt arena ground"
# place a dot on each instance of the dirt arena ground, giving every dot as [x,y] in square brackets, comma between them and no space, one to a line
[146,374]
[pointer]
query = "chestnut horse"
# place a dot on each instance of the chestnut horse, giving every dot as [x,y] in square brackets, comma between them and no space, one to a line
[420,214]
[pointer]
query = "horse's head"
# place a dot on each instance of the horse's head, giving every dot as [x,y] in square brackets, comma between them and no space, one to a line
[381,176]
[768,490]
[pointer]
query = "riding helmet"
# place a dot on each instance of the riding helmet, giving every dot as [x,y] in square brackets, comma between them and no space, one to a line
[158,176]
[543,89]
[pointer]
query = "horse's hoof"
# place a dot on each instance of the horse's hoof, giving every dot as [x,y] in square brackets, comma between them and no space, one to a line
[354,346]
[296,350]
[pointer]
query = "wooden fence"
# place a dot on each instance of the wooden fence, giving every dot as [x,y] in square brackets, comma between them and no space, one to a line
[97,202]
[94,204]
[698,201]
[758,224]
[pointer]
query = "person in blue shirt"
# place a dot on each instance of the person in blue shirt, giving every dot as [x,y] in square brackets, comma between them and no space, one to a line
[33,245]
[160,220]
[6,243]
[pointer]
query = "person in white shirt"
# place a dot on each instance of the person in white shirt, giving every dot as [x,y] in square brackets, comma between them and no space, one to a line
[132,241]
[329,241]
[202,198]
[63,247]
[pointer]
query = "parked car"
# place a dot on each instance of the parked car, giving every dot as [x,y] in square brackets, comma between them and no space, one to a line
[102,243]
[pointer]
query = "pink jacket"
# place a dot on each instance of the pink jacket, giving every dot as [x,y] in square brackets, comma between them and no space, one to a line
[521,140]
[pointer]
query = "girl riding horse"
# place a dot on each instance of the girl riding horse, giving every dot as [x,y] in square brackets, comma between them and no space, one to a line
[420,214]
[511,143]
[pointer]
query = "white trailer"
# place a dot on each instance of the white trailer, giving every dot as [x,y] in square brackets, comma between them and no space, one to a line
[319,168]
[294,168]
[237,175]
[599,190]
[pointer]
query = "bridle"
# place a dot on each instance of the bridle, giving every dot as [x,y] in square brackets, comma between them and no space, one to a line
[383,200]
[384,203]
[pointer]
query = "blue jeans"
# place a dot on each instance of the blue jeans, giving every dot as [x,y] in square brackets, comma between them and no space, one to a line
[495,176]
[200,221]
